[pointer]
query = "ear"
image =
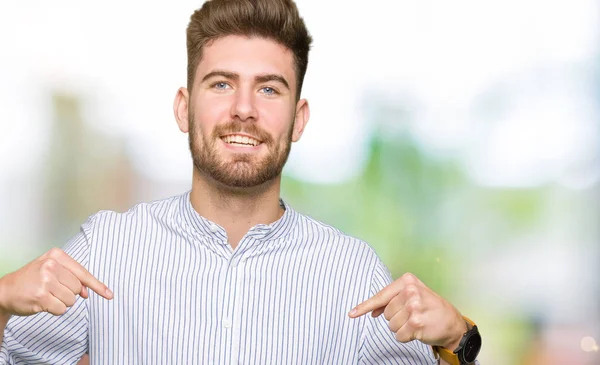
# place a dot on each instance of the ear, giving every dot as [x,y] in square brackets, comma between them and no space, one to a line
[301,119]
[180,109]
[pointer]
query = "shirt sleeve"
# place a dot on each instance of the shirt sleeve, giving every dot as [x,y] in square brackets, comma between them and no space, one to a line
[47,339]
[379,345]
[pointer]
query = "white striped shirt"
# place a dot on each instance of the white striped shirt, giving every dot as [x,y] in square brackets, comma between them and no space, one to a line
[183,296]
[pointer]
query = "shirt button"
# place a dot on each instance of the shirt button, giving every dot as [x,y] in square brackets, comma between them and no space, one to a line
[227,323]
[213,228]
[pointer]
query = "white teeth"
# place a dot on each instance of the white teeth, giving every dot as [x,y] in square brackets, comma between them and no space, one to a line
[240,140]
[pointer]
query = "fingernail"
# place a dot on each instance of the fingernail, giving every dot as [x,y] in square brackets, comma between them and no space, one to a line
[352,312]
[109,293]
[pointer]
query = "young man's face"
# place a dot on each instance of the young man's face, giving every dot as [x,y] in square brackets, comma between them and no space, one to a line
[243,113]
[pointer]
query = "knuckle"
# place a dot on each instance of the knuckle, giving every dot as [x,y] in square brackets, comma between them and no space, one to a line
[55,252]
[409,278]
[411,290]
[415,322]
[413,306]
[49,264]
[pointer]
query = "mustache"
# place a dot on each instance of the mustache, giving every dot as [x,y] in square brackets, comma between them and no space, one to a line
[236,126]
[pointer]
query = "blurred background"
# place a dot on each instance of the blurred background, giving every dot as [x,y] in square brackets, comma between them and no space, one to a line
[460,139]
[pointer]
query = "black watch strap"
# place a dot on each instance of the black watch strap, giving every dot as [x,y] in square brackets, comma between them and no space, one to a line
[467,350]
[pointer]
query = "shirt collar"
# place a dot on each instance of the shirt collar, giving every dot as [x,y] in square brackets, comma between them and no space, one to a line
[260,232]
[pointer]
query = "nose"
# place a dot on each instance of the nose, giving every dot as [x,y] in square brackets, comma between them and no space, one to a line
[244,106]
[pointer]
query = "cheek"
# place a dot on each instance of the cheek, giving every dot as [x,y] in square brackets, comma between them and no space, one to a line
[277,118]
[209,112]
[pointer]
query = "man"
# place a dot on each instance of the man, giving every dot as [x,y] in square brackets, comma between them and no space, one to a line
[228,272]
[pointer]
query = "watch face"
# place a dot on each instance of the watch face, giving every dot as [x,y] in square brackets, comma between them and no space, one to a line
[472,347]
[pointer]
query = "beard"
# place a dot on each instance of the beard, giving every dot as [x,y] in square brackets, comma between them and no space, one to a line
[243,170]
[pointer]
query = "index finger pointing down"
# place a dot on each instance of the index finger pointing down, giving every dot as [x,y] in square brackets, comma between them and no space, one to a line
[379,300]
[85,277]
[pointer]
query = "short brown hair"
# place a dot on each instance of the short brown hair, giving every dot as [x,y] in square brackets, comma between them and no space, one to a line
[278,20]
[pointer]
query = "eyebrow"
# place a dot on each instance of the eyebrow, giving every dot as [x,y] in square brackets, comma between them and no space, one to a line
[259,79]
[225,74]
[272,77]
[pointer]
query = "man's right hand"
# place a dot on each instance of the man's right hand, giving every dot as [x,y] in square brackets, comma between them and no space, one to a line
[49,283]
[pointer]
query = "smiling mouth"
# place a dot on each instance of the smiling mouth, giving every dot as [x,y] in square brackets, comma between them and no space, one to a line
[240,141]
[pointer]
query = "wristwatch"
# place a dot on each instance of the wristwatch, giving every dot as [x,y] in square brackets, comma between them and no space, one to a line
[467,349]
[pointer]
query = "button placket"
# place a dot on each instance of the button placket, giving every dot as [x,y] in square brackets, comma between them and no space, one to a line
[237,305]
[226,320]
[231,319]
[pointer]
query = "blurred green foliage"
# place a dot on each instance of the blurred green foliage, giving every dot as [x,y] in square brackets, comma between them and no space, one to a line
[396,204]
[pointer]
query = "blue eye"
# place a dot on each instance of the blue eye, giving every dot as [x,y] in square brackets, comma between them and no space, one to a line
[221,85]
[269,90]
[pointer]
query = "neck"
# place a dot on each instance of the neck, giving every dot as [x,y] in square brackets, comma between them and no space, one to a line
[235,209]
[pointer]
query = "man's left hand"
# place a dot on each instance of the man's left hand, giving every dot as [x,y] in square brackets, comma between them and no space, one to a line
[416,312]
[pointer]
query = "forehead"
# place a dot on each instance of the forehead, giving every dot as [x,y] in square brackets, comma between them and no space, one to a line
[247,56]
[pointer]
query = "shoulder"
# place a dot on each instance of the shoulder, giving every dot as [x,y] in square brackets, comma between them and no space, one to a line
[110,226]
[119,237]
[351,249]
[327,234]
[159,211]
